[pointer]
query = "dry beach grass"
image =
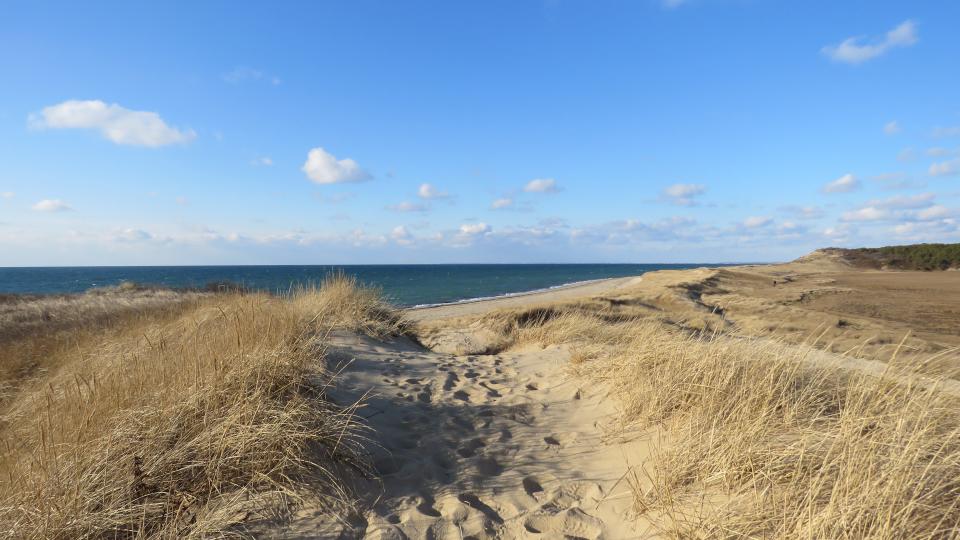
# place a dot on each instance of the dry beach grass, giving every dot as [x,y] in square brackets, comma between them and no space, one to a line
[183,421]
[757,438]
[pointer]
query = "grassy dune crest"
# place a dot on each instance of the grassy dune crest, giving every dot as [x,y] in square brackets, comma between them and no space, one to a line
[187,424]
[755,438]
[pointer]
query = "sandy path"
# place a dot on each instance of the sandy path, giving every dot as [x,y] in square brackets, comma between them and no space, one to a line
[495,446]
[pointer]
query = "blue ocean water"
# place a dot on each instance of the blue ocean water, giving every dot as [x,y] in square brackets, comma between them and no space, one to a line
[404,285]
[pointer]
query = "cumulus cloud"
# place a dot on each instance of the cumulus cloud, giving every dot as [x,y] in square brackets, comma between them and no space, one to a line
[132,235]
[51,205]
[542,185]
[323,168]
[472,229]
[945,168]
[407,206]
[500,204]
[856,50]
[891,128]
[867,213]
[901,202]
[755,222]
[841,233]
[683,194]
[429,191]
[933,212]
[844,184]
[401,235]
[115,123]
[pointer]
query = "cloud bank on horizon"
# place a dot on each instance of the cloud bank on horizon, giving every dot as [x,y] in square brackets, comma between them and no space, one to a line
[386,150]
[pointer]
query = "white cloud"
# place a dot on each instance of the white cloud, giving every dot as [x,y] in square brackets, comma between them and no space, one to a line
[500,204]
[945,168]
[933,212]
[116,123]
[840,233]
[542,185]
[401,235]
[472,229]
[755,222]
[683,194]
[51,205]
[7,195]
[182,201]
[323,168]
[407,206]
[429,191]
[867,213]
[844,184]
[132,235]
[901,202]
[266,161]
[854,51]
[891,128]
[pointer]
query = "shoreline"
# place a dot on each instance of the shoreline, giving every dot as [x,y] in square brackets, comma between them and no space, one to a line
[552,294]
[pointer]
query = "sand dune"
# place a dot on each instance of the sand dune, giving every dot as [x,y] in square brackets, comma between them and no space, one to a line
[475,442]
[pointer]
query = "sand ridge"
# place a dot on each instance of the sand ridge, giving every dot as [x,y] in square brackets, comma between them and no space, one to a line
[481,446]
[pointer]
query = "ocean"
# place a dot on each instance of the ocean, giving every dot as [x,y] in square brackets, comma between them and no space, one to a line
[404,285]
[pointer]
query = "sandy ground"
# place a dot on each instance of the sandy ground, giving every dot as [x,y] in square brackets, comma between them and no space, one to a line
[491,446]
[510,445]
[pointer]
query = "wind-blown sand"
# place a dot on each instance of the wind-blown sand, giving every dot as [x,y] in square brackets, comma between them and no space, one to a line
[476,443]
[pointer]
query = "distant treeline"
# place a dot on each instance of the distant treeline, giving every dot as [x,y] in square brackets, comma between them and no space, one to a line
[911,257]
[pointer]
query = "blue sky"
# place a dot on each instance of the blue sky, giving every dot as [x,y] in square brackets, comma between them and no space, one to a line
[501,131]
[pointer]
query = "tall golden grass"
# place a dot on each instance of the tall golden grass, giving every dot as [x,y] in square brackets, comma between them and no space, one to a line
[37,333]
[184,426]
[759,439]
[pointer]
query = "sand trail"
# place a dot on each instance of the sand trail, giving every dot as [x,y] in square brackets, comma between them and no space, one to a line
[481,446]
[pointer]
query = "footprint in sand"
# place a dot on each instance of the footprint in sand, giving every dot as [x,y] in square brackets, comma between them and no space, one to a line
[451,382]
[470,448]
[487,466]
[532,486]
[474,502]
[560,439]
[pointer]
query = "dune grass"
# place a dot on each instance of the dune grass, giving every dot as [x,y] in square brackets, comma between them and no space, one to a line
[760,439]
[186,423]
[38,332]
